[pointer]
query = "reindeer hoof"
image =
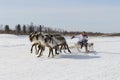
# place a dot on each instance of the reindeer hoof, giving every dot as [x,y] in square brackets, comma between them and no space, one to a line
[69,51]
[38,56]
[57,53]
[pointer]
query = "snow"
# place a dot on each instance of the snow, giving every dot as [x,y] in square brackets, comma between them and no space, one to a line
[17,63]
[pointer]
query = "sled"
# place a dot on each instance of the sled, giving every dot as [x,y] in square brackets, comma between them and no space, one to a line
[77,48]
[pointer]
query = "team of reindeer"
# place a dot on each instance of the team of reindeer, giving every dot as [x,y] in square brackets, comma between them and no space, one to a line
[54,42]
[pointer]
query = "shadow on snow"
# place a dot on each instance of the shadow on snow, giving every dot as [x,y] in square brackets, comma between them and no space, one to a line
[77,56]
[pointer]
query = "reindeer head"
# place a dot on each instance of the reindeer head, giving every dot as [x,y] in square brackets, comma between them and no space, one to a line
[47,37]
[33,36]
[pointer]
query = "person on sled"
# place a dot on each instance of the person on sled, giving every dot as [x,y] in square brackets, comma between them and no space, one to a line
[83,40]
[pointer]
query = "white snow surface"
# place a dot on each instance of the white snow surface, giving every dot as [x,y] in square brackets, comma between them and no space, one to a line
[17,63]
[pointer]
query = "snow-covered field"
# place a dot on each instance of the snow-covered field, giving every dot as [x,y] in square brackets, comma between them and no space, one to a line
[17,63]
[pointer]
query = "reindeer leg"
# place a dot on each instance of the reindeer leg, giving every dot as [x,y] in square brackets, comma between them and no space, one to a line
[32,47]
[36,51]
[39,54]
[68,48]
[56,50]
[39,47]
[52,53]
[61,48]
[49,52]
[42,49]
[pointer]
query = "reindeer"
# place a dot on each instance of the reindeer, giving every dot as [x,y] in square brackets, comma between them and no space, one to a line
[62,40]
[50,41]
[42,45]
[32,38]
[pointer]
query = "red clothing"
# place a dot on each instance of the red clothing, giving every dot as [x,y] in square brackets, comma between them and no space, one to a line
[85,35]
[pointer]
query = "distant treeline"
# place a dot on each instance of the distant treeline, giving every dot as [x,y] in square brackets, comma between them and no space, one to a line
[27,29]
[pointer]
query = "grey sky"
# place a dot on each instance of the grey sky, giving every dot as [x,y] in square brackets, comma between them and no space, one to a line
[75,15]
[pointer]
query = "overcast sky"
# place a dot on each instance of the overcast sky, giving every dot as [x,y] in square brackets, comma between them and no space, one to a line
[75,15]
